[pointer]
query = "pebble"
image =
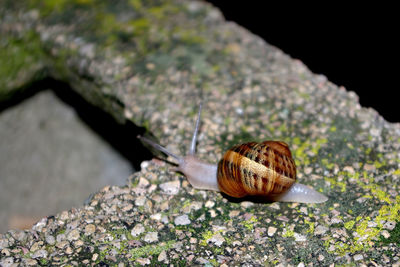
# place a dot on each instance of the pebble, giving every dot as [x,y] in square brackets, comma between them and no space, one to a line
[304,210]
[20,235]
[127,208]
[234,213]
[64,215]
[7,262]
[271,230]
[69,250]
[171,188]
[62,244]
[217,239]
[50,240]
[209,204]
[73,235]
[385,234]
[299,238]
[5,252]
[90,229]
[162,256]
[143,182]
[30,262]
[143,261]
[320,230]
[95,256]
[144,165]
[78,243]
[213,213]
[275,206]
[36,246]
[182,220]
[40,254]
[3,243]
[358,257]
[389,225]
[140,201]
[151,237]
[137,230]
[246,204]
[156,216]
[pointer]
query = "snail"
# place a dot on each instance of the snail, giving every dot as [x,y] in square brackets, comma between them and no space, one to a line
[264,169]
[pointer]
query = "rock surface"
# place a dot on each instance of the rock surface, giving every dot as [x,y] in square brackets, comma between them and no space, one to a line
[152,63]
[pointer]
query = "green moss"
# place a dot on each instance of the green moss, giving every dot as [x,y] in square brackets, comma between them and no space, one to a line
[208,235]
[21,59]
[311,226]
[288,233]
[249,224]
[394,236]
[335,182]
[348,225]
[151,249]
[366,233]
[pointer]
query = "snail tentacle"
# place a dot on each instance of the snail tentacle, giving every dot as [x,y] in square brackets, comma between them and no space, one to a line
[192,150]
[160,148]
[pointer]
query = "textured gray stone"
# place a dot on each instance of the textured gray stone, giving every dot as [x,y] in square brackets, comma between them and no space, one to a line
[152,63]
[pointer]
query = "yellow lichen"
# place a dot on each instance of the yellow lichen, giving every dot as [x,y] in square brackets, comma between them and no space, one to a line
[366,233]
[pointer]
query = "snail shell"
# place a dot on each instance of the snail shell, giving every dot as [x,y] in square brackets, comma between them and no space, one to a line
[265,168]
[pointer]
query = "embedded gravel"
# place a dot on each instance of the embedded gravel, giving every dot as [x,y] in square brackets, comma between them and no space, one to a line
[250,91]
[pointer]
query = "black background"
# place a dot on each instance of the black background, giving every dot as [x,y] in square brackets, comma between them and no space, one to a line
[353,46]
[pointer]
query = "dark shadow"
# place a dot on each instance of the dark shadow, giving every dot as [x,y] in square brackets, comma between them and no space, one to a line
[122,137]
[254,199]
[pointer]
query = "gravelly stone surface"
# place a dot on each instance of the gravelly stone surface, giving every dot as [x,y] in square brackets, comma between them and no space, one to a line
[152,63]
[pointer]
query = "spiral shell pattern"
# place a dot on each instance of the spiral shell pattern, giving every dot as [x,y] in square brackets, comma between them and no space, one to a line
[256,169]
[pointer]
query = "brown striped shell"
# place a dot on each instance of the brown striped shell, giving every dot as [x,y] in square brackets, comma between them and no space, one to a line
[256,169]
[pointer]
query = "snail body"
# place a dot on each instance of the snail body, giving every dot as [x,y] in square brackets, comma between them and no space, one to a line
[263,169]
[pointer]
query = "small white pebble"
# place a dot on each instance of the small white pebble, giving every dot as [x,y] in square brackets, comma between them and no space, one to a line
[156,216]
[137,230]
[143,182]
[213,214]
[275,206]
[246,204]
[171,188]
[162,256]
[217,239]
[40,254]
[320,230]
[209,204]
[271,230]
[304,210]
[73,235]
[358,257]
[143,261]
[385,234]
[299,238]
[140,201]
[151,237]
[144,165]
[182,220]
